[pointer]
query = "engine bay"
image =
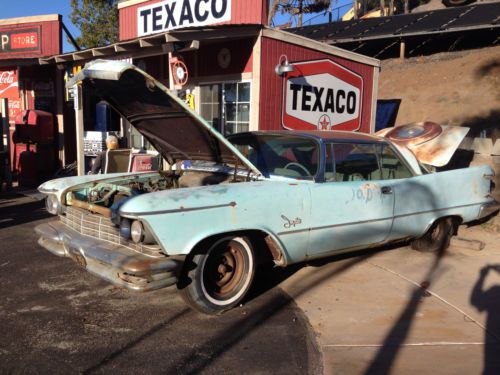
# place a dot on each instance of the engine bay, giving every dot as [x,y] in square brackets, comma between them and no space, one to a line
[106,196]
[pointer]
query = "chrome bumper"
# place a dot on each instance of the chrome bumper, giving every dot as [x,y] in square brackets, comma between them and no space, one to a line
[488,208]
[117,264]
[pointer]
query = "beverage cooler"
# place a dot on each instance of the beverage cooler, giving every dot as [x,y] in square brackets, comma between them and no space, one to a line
[34,147]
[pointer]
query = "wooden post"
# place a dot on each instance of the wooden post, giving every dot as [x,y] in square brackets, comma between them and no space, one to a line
[60,95]
[4,123]
[402,49]
[80,156]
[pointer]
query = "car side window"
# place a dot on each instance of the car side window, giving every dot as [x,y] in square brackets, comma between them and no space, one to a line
[329,163]
[392,166]
[356,162]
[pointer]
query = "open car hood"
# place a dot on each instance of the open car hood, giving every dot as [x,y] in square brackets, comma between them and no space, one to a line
[431,143]
[174,130]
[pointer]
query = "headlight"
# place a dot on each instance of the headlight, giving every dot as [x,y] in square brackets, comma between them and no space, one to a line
[139,234]
[52,204]
[125,228]
[137,231]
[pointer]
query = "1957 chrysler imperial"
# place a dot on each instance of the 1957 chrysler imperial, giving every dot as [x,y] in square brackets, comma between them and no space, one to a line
[201,222]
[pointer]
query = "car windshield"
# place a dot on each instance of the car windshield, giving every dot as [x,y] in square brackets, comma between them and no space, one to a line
[280,155]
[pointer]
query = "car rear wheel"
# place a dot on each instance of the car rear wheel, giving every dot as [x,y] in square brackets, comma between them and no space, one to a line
[218,279]
[437,238]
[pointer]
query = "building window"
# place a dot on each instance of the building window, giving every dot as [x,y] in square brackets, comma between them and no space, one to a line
[210,104]
[226,106]
[236,107]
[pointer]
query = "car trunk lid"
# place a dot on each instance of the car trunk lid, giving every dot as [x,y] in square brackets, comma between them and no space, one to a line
[431,143]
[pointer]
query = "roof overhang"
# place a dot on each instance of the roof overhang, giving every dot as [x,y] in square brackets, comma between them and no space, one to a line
[190,38]
[175,40]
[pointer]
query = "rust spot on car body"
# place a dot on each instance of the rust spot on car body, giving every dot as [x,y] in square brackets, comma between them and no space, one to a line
[275,250]
[415,133]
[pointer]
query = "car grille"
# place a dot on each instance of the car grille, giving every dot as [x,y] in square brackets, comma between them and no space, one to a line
[102,228]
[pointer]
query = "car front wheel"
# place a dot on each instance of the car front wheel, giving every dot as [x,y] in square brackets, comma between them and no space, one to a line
[216,280]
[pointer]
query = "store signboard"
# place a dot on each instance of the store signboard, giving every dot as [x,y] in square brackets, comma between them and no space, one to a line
[322,95]
[176,14]
[20,40]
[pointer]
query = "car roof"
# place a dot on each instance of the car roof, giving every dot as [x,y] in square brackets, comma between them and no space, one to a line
[324,135]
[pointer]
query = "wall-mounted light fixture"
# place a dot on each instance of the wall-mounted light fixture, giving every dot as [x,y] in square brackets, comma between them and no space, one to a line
[283,66]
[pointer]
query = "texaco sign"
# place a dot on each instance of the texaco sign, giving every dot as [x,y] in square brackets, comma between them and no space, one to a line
[322,95]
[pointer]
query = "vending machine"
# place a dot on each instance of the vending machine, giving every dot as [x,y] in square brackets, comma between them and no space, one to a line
[35,150]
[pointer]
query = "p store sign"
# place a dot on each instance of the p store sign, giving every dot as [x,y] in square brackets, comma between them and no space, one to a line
[175,14]
[322,95]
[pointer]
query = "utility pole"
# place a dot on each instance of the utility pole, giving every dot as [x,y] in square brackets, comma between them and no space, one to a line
[272,11]
[382,8]
[301,8]
[355,9]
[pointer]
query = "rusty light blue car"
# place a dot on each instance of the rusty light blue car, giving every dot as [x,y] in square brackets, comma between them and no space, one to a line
[219,207]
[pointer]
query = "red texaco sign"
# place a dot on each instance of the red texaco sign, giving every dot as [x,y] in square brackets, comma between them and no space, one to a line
[322,95]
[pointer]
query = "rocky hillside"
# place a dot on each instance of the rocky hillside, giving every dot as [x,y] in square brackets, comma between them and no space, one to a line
[458,88]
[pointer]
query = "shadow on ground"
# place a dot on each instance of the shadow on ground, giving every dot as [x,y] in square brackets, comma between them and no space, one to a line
[16,209]
[488,300]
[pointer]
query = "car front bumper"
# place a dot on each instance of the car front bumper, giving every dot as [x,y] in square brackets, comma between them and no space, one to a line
[118,264]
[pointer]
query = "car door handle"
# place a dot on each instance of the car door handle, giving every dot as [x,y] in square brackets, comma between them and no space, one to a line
[386,190]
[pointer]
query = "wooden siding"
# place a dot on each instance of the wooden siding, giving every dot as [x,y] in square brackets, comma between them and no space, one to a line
[243,12]
[271,86]
[241,58]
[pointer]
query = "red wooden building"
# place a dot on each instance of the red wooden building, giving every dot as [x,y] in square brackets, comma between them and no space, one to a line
[27,85]
[230,57]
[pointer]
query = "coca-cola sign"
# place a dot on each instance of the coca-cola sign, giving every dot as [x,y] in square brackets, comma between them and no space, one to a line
[9,84]
[21,40]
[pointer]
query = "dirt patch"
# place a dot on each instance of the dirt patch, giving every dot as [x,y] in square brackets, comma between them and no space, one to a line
[456,88]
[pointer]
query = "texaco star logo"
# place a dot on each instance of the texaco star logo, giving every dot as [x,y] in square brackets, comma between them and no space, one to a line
[324,123]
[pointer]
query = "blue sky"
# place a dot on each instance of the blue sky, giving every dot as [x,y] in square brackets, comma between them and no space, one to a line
[339,8]
[22,8]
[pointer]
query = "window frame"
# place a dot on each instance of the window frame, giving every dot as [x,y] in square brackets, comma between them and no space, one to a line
[318,177]
[378,153]
[222,102]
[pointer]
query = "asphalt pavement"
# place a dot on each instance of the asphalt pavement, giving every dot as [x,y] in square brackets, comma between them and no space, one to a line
[56,318]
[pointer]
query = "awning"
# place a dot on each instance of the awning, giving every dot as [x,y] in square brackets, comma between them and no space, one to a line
[180,40]
[170,41]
